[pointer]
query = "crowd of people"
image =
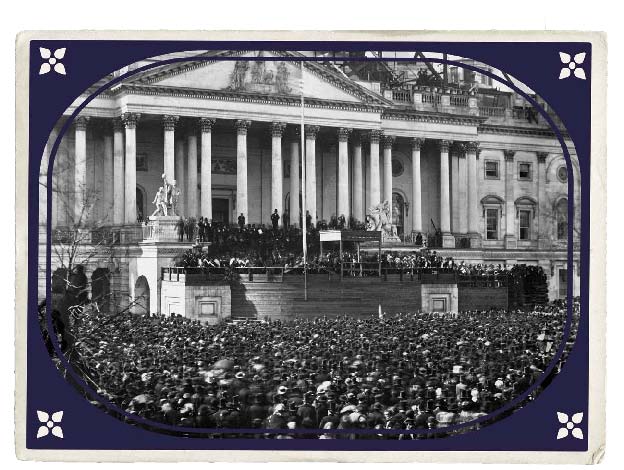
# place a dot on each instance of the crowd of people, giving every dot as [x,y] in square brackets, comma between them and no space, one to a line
[402,372]
[283,248]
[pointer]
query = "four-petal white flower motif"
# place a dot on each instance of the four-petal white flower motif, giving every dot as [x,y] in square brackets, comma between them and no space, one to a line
[49,424]
[52,61]
[572,65]
[570,425]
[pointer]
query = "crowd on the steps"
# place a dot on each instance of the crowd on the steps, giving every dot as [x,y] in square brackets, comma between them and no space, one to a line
[400,372]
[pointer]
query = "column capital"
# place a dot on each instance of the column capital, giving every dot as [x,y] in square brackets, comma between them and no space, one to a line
[356,138]
[509,155]
[205,124]
[541,157]
[472,146]
[277,128]
[445,145]
[118,124]
[458,149]
[417,143]
[374,136]
[343,134]
[169,121]
[81,123]
[311,131]
[387,140]
[130,120]
[241,126]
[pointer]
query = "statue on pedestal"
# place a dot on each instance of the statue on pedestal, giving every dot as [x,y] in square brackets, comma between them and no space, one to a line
[166,199]
[161,202]
[379,218]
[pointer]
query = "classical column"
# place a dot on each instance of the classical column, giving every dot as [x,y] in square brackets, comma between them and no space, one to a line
[206,167]
[169,123]
[343,173]
[542,226]
[416,186]
[242,205]
[130,122]
[191,186]
[373,165]
[455,188]
[277,178]
[473,204]
[388,140]
[180,175]
[358,207]
[107,195]
[294,179]
[510,212]
[80,171]
[119,188]
[310,166]
[462,191]
[445,208]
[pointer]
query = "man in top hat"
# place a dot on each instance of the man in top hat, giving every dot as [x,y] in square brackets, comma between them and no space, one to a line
[275,217]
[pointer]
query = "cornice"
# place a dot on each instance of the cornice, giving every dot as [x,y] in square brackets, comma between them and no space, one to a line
[246,97]
[431,117]
[519,131]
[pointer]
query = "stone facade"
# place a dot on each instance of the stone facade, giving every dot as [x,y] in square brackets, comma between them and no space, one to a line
[229,134]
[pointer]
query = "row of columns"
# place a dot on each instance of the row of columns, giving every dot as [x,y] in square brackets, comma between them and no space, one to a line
[123,150]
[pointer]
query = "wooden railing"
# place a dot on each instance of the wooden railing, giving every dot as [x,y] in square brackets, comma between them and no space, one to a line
[351,269]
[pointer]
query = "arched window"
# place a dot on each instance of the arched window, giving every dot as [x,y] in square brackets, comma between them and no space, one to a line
[492,213]
[561,218]
[525,213]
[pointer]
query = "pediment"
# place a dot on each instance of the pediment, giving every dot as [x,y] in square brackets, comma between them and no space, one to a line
[266,77]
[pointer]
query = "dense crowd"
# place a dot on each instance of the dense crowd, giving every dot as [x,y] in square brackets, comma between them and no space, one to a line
[408,371]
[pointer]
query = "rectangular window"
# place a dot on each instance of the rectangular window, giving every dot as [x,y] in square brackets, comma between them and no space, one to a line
[491,232]
[525,225]
[491,169]
[524,171]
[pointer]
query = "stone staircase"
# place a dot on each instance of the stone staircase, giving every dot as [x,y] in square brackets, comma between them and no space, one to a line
[326,297]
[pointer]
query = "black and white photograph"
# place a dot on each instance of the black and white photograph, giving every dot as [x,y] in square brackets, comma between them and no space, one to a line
[310,245]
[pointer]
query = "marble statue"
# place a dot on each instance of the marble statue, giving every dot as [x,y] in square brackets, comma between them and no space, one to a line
[379,217]
[161,202]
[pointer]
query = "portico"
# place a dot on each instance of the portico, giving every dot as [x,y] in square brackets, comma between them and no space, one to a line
[233,143]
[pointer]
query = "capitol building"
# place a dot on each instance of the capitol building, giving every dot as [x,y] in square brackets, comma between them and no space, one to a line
[470,165]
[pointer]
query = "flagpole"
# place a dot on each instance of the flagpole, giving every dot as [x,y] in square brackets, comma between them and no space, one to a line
[304,220]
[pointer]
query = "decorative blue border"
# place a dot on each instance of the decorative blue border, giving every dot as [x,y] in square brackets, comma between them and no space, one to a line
[300,46]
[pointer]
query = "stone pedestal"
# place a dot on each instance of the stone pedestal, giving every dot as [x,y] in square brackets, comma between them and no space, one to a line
[154,256]
[161,228]
[448,240]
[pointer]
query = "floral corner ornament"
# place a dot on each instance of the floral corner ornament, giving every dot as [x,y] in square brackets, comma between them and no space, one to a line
[572,65]
[570,425]
[49,424]
[52,61]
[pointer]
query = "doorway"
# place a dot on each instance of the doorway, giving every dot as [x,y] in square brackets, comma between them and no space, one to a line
[221,211]
[398,212]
